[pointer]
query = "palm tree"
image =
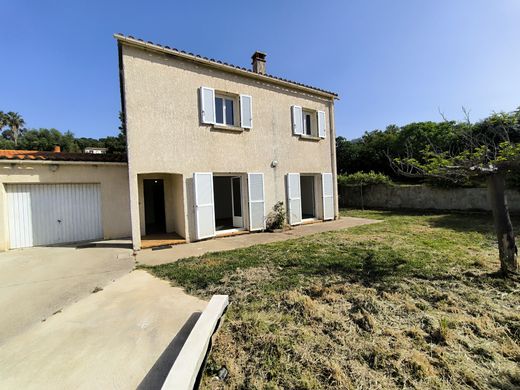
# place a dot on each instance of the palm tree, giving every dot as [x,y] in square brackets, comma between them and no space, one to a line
[2,120]
[15,123]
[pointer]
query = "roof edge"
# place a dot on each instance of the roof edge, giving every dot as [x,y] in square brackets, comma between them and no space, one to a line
[130,40]
[62,162]
[13,155]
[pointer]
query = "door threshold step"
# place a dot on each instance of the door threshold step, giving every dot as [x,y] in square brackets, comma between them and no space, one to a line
[232,233]
[310,221]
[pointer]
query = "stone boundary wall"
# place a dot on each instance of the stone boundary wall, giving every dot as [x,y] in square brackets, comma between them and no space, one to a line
[422,197]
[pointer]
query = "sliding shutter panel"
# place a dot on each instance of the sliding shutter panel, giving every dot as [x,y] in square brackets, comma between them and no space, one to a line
[255,185]
[322,129]
[204,205]
[246,111]
[207,105]
[328,196]
[297,119]
[294,199]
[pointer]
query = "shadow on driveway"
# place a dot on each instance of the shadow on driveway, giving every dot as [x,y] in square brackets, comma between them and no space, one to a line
[158,373]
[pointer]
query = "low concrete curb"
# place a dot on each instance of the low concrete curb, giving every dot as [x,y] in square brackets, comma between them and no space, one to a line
[186,367]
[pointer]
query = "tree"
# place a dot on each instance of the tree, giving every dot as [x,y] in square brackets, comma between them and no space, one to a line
[117,145]
[3,121]
[15,123]
[41,139]
[4,142]
[369,153]
[490,151]
[122,125]
[17,137]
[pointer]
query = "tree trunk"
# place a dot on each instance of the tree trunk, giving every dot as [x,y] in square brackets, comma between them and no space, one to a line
[504,229]
[15,135]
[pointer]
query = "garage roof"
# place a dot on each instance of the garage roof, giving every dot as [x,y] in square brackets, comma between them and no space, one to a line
[37,155]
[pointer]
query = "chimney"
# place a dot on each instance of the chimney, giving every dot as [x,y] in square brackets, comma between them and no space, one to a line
[57,149]
[258,62]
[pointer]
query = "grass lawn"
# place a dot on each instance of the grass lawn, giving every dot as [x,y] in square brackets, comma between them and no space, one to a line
[411,302]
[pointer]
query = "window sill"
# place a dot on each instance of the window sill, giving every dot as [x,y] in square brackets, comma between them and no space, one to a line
[310,138]
[227,128]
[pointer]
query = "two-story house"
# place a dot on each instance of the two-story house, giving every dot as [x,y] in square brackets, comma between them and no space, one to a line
[213,147]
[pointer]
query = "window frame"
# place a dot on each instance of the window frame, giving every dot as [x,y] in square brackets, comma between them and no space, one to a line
[313,114]
[235,106]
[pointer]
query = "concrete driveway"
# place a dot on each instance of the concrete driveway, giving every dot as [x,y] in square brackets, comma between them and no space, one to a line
[56,333]
[35,283]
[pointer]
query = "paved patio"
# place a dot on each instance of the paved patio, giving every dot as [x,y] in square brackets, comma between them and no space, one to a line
[163,256]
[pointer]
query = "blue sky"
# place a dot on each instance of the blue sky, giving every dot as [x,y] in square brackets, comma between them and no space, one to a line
[391,61]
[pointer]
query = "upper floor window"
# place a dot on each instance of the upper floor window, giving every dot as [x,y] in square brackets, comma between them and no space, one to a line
[308,123]
[224,109]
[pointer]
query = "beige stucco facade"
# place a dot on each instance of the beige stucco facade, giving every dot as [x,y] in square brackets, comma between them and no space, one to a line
[112,178]
[166,135]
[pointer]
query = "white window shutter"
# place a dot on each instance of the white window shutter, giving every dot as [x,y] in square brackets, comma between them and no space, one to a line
[246,111]
[207,105]
[327,192]
[322,128]
[294,199]
[297,120]
[204,204]
[255,186]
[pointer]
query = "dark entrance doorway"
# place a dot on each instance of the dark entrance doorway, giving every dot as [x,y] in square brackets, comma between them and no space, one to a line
[154,211]
[307,196]
[227,195]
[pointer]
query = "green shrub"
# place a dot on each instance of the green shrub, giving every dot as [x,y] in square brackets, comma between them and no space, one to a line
[276,218]
[363,179]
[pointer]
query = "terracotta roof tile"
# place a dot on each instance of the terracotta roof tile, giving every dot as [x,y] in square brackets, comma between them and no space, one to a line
[59,156]
[122,37]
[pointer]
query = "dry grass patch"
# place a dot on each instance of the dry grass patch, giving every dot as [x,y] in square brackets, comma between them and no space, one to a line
[408,303]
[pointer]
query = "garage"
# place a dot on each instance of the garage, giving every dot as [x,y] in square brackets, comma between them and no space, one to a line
[46,214]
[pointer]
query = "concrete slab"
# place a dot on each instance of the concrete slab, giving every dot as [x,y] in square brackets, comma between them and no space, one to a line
[184,372]
[117,338]
[168,255]
[37,282]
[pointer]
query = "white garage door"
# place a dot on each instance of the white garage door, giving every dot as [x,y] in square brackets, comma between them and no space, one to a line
[43,214]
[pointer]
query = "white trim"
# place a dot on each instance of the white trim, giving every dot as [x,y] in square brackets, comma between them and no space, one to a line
[203,105]
[197,205]
[314,123]
[326,197]
[297,119]
[290,198]
[238,221]
[255,201]
[322,127]
[242,112]
[225,97]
